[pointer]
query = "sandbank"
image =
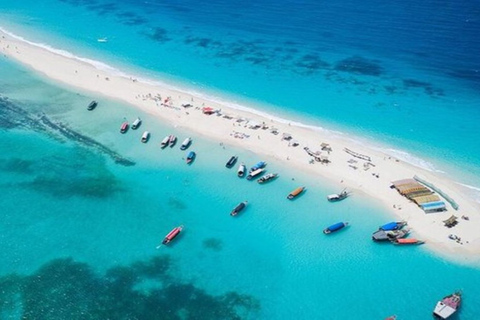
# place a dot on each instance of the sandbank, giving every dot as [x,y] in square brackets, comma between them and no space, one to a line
[234,126]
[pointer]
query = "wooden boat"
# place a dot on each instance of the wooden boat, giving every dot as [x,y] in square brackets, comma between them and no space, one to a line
[382,235]
[395,225]
[136,123]
[145,137]
[186,143]
[172,234]
[172,140]
[190,157]
[446,307]
[295,193]
[92,105]
[231,162]
[241,170]
[124,127]
[407,241]
[255,173]
[259,165]
[239,208]
[338,196]
[335,227]
[165,141]
[267,177]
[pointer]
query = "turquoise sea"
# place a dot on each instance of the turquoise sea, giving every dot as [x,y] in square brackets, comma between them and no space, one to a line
[79,230]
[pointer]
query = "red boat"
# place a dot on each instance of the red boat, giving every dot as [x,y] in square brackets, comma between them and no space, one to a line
[124,127]
[172,234]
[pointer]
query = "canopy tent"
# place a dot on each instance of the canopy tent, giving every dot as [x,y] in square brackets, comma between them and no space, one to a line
[450,222]
[208,110]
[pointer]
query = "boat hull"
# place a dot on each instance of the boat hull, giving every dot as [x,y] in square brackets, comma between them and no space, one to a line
[295,193]
[335,227]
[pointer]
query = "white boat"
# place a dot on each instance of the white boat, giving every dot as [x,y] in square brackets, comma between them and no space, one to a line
[102,39]
[241,170]
[338,196]
[145,136]
[255,173]
[186,143]
[448,306]
[172,141]
[165,141]
[136,123]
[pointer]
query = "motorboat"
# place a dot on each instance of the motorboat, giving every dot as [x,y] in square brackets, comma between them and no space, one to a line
[92,105]
[267,177]
[231,162]
[172,235]
[165,141]
[255,173]
[338,196]
[186,143]
[136,123]
[190,157]
[124,127]
[239,208]
[241,170]
[382,235]
[259,165]
[394,225]
[172,140]
[335,227]
[295,193]
[448,305]
[407,241]
[145,137]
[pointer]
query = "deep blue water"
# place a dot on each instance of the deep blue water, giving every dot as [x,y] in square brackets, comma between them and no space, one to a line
[401,73]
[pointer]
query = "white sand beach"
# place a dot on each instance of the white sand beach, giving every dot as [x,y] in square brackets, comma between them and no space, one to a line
[373,177]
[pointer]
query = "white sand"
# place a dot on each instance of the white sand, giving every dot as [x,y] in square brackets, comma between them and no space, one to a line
[428,227]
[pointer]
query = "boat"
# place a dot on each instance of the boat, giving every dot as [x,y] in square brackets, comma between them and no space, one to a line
[259,165]
[165,141]
[172,234]
[295,193]
[255,173]
[448,305]
[231,162]
[145,137]
[267,177]
[124,127]
[335,227]
[382,235]
[395,225]
[190,157]
[241,170]
[186,143]
[172,141]
[338,196]
[92,105]
[239,208]
[407,241]
[102,40]
[136,123]
[394,317]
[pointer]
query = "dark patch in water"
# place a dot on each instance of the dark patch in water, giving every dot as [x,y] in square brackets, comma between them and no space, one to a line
[159,35]
[17,165]
[311,63]
[427,87]
[176,203]
[359,65]
[102,8]
[13,116]
[66,289]
[213,244]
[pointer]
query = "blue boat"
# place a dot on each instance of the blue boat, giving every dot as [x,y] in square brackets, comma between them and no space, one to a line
[335,227]
[395,225]
[259,165]
[190,157]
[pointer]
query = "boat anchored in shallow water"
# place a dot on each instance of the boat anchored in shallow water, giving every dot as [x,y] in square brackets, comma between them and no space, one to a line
[448,305]
[124,127]
[145,137]
[136,123]
[231,162]
[267,177]
[186,143]
[395,225]
[338,196]
[255,173]
[92,105]
[407,241]
[382,235]
[190,157]
[295,193]
[335,227]
[259,165]
[165,141]
[172,140]
[172,235]
[241,170]
[238,208]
